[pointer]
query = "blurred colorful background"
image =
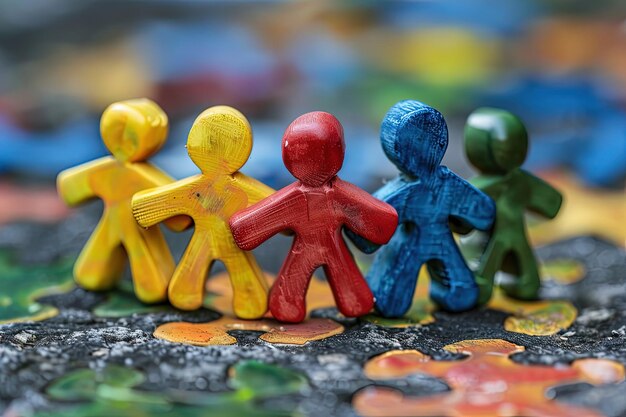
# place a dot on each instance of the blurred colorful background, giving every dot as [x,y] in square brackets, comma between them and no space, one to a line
[560,65]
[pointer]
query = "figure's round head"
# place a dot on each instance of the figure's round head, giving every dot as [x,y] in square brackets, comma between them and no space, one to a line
[496,141]
[133,130]
[220,140]
[414,137]
[313,148]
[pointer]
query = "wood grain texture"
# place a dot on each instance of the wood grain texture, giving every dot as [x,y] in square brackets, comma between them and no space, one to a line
[219,143]
[132,130]
[316,208]
[427,196]
[496,143]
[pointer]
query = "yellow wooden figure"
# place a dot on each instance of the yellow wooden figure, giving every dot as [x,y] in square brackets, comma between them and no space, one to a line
[219,143]
[132,130]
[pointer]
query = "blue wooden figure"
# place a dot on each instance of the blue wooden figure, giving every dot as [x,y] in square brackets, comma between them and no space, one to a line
[427,197]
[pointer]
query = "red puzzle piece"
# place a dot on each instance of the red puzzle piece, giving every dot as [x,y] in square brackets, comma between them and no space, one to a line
[316,208]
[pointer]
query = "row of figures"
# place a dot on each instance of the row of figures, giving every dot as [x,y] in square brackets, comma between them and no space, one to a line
[409,221]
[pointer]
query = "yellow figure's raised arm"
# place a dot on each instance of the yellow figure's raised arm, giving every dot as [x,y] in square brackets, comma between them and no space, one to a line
[159,204]
[73,184]
[255,190]
[158,178]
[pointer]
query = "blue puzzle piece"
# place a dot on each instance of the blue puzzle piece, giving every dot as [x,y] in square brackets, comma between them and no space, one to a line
[427,197]
[572,125]
[46,153]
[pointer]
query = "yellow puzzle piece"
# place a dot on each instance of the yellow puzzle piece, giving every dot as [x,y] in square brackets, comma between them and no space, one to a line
[219,143]
[132,130]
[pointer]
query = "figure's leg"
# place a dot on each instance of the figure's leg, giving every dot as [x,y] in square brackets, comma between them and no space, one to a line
[352,294]
[101,262]
[186,289]
[393,274]
[527,283]
[287,296]
[249,285]
[160,251]
[490,263]
[151,263]
[452,285]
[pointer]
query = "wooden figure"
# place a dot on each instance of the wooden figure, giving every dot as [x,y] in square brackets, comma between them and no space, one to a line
[132,130]
[427,196]
[219,143]
[316,208]
[496,143]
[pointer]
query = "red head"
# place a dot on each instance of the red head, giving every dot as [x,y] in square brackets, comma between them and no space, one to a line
[313,148]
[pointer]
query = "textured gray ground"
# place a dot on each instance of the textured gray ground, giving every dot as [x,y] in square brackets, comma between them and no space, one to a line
[33,354]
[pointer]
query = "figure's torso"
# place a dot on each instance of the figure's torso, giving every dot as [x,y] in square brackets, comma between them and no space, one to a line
[117,182]
[319,218]
[427,206]
[211,201]
[511,202]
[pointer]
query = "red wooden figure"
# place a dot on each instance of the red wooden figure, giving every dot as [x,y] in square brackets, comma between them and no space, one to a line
[316,208]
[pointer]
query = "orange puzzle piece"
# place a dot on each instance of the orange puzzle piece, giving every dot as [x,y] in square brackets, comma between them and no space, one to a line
[485,384]
[132,130]
[219,143]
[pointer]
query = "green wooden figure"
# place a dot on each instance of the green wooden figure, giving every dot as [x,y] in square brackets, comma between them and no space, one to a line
[496,144]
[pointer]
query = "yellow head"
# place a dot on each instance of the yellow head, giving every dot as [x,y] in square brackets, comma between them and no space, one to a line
[220,140]
[133,130]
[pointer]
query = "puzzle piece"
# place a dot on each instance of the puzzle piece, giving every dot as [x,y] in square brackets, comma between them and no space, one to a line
[112,391]
[486,383]
[585,211]
[535,318]
[219,143]
[132,130]
[496,143]
[562,271]
[220,293]
[23,285]
[122,303]
[316,208]
[216,332]
[426,195]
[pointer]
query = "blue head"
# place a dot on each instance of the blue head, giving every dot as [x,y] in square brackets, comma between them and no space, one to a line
[414,137]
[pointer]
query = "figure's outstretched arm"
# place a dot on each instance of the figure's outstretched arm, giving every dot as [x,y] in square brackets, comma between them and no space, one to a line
[392,193]
[157,178]
[470,208]
[158,204]
[73,183]
[257,223]
[371,221]
[255,190]
[544,199]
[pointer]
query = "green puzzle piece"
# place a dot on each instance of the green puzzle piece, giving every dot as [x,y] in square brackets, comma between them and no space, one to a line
[122,302]
[112,392]
[22,285]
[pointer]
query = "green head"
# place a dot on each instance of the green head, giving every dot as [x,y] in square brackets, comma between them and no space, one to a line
[496,141]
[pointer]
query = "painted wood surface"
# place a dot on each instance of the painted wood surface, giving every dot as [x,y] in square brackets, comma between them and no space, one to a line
[219,143]
[496,144]
[316,208]
[427,196]
[132,130]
